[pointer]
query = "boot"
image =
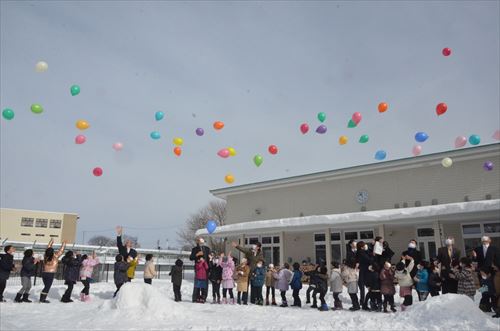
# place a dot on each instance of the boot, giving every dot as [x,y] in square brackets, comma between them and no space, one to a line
[385,307]
[274,302]
[18,298]
[239,298]
[25,297]
[66,299]
[324,307]
[224,301]
[43,298]
[284,304]
[393,309]
[82,296]
[267,302]
[87,298]
[403,307]
[232,301]
[214,301]
[314,305]
[218,301]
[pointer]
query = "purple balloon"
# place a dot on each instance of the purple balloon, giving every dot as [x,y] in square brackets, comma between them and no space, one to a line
[200,132]
[321,129]
[488,166]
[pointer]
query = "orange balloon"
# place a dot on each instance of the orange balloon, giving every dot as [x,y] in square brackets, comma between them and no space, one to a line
[229,179]
[382,107]
[218,125]
[82,125]
[177,151]
[343,140]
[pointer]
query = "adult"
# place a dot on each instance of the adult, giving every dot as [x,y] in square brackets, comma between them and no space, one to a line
[446,255]
[6,266]
[414,253]
[381,251]
[253,255]
[127,250]
[200,250]
[351,252]
[364,260]
[485,255]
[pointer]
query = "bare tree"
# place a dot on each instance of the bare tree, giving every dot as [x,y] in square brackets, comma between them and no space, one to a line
[215,211]
[109,242]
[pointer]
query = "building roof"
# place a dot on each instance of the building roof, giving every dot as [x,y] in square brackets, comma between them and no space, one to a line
[366,169]
[359,219]
[39,211]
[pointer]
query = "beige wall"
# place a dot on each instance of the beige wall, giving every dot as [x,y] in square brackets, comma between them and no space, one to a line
[10,226]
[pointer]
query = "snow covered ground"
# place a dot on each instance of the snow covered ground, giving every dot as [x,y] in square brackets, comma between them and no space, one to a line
[142,307]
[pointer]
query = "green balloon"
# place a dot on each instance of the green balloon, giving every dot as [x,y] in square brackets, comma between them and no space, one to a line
[351,124]
[364,139]
[257,159]
[75,90]
[36,108]
[8,114]
[321,117]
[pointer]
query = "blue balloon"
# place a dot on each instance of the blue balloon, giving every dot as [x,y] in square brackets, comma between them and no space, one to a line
[380,155]
[159,115]
[474,139]
[155,135]
[421,137]
[211,226]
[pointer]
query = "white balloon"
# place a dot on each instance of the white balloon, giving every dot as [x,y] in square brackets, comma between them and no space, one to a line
[41,66]
[447,162]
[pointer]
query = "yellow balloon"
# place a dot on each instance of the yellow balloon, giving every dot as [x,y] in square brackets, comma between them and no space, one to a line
[41,66]
[447,162]
[232,151]
[178,141]
[343,140]
[82,125]
[229,179]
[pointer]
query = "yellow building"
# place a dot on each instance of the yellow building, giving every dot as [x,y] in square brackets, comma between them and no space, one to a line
[31,225]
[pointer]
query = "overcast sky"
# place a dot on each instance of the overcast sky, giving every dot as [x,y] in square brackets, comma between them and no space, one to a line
[262,68]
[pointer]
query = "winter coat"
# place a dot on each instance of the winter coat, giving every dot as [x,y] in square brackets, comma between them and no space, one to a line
[29,267]
[496,283]
[124,251]
[131,268]
[403,277]
[88,267]
[336,281]
[296,282]
[176,272]
[283,277]
[205,250]
[350,277]
[465,281]
[227,268]
[258,277]
[387,282]
[364,260]
[51,266]
[417,257]
[214,272]
[270,281]
[434,282]
[242,277]
[423,281]
[373,281]
[120,274]
[149,270]
[488,283]
[201,270]
[251,256]
[322,283]
[350,256]
[6,265]
[72,268]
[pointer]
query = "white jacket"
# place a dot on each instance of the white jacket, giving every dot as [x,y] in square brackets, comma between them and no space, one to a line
[403,277]
[149,270]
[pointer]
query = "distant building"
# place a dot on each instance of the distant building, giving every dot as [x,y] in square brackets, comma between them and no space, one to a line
[31,225]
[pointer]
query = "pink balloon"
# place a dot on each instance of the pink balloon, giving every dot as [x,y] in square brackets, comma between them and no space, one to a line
[117,146]
[496,135]
[80,139]
[224,153]
[460,141]
[356,117]
[304,128]
[417,149]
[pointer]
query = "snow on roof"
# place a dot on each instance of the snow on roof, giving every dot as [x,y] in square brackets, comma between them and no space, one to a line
[354,219]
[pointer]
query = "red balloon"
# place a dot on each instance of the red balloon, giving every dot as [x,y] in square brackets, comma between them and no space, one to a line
[304,128]
[97,171]
[441,108]
[273,149]
[446,51]
[356,117]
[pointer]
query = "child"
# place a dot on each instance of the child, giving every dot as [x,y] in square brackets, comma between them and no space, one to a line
[6,266]
[313,284]
[296,284]
[434,280]
[120,274]
[422,280]
[270,284]
[487,290]
[132,265]
[323,287]
[88,264]
[387,286]
[201,280]
[283,277]
[149,269]
[465,278]
[350,278]
[215,277]
[71,273]
[405,281]
[258,277]
[242,272]
[176,273]
[336,286]
[227,265]
[28,270]
[50,262]
[373,284]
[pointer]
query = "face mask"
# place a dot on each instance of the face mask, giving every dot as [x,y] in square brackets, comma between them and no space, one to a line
[412,245]
[370,268]
[216,261]
[461,265]
[387,266]
[365,247]
[354,249]
[419,267]
[486,245]
[202,243]
[449,242]
[254,247]
[484,277]
[259,265]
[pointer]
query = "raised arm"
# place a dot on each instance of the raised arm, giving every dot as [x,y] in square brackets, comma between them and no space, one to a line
[61,250]
[119,232]
[51,242]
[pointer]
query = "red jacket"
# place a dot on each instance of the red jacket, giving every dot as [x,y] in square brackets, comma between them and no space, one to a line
[201,268]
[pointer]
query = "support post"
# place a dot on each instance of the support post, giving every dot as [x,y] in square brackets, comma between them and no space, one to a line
[328,249]
[381,231]
[282,248]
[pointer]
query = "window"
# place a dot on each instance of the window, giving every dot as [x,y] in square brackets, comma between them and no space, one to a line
[270,247]
[320,254]
[335,236]
[276,239]
[253,241]
[54,236]
[276,255]
[267,240]
[425,232]
[25,234]
[40,235]
[492,227]
[366,235]
[41,222]
[335,247]
[472,234]
[471,229]
[27,221]
[355,235]
[55,224]
[350,235]
[319,237]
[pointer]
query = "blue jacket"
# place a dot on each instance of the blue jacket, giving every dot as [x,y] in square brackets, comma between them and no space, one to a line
[296,282]
[423,284]
[258,277]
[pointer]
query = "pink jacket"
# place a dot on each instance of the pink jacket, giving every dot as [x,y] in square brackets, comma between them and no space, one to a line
[201,270]
[88,267]
[227,269]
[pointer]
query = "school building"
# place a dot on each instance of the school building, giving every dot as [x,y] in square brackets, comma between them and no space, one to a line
[312,217]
